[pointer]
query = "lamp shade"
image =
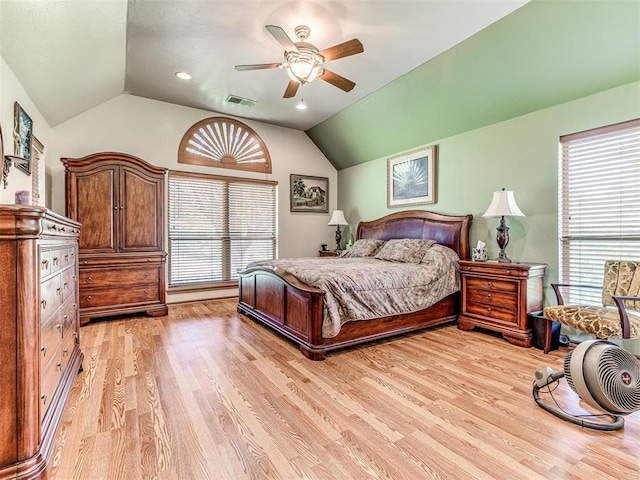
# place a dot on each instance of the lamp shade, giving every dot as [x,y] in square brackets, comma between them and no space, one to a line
[338,218]
[503,204]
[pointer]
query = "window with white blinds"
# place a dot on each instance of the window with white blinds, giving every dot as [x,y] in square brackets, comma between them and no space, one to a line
[599,204]
[217,225]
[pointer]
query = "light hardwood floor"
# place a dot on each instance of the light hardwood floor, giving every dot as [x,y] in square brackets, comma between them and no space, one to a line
[207,394]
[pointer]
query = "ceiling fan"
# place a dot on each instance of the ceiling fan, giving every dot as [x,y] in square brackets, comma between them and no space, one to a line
[304,62]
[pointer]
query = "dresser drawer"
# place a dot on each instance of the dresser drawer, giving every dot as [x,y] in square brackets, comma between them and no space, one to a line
[50,297]
[493,298]
[491,284]
[50,338]
[49,379]
[120,277]
[57,256]
[45,263]
[492,312]
[68,280]
[102,297]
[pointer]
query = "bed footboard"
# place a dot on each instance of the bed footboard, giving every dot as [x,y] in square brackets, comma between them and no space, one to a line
[285,304]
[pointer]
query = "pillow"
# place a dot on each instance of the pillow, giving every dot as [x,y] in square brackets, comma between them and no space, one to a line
[406,250]
[439,254]
[365,247]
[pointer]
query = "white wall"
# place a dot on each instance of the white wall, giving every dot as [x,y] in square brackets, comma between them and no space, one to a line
[152,130]
[11,91]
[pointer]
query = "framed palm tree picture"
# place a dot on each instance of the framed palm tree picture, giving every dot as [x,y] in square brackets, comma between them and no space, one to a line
[411,178]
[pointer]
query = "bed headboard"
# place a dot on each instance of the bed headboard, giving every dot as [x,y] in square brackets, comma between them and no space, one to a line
[449,230]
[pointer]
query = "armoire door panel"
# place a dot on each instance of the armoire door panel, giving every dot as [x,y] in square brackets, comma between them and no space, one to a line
[141,209]
[97,210]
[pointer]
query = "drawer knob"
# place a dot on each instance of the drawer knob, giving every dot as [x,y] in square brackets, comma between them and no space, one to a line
[488,310]
[45,264]
[489,297]
[44,399]
[66,352]
[489,284]
[146,275]
[508,272]
[59,326]
[66,285]
[89,279]
[56,260]
[59,365]
[146,292]
[75,334]
[44,351]
[89,298]
[58,291]
[44,304]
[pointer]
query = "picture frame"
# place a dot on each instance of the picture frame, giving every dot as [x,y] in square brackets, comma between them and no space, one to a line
[411,177]
[23,131]
[309,194]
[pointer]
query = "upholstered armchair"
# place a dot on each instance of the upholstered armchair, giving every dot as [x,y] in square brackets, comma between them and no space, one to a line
[620,291]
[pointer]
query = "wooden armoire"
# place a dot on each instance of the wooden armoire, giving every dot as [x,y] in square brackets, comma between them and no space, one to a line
[119,200]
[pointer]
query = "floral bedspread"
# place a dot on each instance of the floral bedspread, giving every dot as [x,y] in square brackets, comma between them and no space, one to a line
[366,288]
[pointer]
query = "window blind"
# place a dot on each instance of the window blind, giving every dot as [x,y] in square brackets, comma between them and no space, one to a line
[217,225]
[599,204]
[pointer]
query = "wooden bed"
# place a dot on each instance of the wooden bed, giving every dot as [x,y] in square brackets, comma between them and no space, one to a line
[294,309]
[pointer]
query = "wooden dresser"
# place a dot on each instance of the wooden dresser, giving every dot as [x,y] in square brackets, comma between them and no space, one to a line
[39,334]
[119,200]
[498,296]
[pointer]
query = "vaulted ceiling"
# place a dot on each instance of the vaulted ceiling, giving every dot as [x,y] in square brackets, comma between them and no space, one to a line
[72,55]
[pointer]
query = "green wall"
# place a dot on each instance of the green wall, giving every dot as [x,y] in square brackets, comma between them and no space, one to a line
[519,154]
[543,54]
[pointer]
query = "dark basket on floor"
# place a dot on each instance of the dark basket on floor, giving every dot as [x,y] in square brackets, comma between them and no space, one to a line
[537,327]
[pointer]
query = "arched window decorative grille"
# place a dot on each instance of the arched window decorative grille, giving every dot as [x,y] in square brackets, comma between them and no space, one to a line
[224,143]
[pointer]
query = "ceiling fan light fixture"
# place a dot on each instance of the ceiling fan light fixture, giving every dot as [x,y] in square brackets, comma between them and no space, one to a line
[302,71]
[301,105]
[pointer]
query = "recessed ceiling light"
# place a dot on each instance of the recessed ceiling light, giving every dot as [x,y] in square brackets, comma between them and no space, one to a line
[183,75]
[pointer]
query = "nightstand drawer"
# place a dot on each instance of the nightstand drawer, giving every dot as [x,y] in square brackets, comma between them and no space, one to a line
[492,298]
[498,313]
[491,284]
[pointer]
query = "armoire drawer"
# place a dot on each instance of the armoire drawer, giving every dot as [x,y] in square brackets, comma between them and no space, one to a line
[102,297]
[119,277]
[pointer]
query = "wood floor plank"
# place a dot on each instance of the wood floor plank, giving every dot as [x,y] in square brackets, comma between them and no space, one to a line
[205,393]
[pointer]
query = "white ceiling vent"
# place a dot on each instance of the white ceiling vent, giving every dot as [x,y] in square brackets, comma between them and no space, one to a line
[247,102]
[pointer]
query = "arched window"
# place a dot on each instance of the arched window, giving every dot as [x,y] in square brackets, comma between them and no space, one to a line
[224,143]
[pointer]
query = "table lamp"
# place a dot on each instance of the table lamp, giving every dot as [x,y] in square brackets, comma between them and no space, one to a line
[503,204]
[337,218]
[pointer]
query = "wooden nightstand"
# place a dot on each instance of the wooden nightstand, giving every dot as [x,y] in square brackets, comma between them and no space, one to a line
[498,296]
[328,253]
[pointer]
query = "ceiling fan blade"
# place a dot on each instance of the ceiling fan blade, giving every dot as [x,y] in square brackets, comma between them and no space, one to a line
[257,66]
[337,81]
[342,50]
[281,36]
[291,90]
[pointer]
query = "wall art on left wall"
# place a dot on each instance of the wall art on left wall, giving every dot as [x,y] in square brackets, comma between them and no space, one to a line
[23,131]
